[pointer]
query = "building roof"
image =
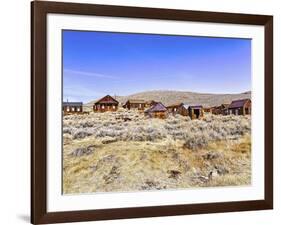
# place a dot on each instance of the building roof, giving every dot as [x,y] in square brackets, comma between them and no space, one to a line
[238,103]
[72,104]
[225,105]
[157,107]
[135,101]
[175,105]
[195,106]
[151,102]
[106,100]
[185,106]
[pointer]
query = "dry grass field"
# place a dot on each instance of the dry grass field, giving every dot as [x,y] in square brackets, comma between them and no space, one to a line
[124,151]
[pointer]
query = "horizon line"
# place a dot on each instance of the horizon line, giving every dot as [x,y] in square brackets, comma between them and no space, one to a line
[168,90]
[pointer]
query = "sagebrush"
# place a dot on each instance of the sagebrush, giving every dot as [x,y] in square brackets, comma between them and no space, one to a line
[195,133]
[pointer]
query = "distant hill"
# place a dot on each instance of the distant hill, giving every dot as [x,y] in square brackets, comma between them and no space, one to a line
[173,97]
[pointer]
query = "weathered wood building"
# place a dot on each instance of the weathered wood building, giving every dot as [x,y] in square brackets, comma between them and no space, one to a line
[181,109]
[195,111]
[220,110]
[135,104]
[208,109]
[72,107]
[150,103]
[107,103]
[224,108]
[240,107]
[158,110]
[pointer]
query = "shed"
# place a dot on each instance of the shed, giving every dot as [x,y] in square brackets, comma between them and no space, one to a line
[158,110]
[208,109]
[195,111]
[135,104]
[107,103]
[150,103]
[180,108]
[240,107]
[221,110]
[72,107]
[224,108]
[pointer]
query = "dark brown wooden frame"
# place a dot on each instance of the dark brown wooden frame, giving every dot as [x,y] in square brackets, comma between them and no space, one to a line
[40,9]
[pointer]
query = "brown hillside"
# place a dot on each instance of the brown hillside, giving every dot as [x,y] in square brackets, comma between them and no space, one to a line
[172,97]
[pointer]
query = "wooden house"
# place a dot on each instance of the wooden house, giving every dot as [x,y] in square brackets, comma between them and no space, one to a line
[181,109]
[224,109]
[208,109]
[220,110]
[135,104]
[215,110]
[158,110]
[72,107]
[105,104]
[195,111]
[240,107]
[150,103]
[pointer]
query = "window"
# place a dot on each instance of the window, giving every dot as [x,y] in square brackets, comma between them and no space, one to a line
[73,109]
[78,109]
[102,106]
[67,109]
[175,109]
[113,107]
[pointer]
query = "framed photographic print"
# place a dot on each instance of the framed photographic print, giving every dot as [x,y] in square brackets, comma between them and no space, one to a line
[143,112]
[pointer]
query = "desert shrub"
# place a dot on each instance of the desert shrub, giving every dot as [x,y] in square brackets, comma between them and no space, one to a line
[196,140]
[214,128]
[126,124]
[169,127]
[186,119]
[135,137]
[109,140]
[117,127]
[209,118]
[108,123]
[174,123]
[154,134]
[245,124]
[178,134]
[173,120]
[86,123]
[179,116]
[82,133]
[198,125]
[67,130]
[142,133]
[195,133]
[138,129]
[108,132]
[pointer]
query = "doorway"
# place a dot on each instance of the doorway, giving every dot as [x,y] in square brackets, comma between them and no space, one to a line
[197,113]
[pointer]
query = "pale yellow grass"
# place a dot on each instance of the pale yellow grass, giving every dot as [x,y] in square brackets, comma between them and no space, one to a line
[164,164]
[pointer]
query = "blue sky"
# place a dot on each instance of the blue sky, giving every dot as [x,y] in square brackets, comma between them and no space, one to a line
[100,63]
